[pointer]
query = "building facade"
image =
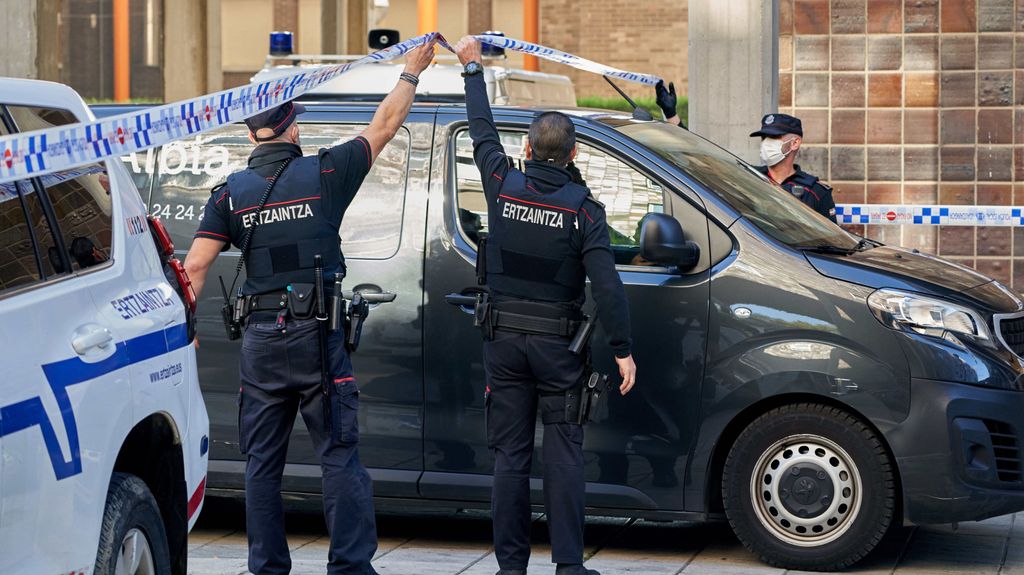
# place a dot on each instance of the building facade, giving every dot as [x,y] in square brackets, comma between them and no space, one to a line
[914,102]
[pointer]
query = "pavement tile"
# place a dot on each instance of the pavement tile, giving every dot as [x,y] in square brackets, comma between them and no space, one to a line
[1014,564]
[233,546]
[214,566]
[197,538]
[933,551]
[1002,526]
[728,557]
[429,558]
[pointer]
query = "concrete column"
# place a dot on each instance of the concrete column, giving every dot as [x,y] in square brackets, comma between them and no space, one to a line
[50,44]
[356,27]
[332,26]
[286,17]
[19,41]
[734,70]
[480,16]
[214,58]
[184,55]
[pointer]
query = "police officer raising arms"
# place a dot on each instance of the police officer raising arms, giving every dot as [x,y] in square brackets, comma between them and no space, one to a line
[781,136]
[284,212]
[547,234]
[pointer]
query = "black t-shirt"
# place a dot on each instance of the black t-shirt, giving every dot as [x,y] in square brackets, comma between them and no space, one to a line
[342,170]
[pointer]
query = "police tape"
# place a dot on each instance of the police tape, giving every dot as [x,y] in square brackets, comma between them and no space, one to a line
[889,214]
[53,150]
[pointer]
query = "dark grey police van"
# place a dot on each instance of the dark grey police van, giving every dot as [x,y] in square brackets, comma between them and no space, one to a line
[812,387]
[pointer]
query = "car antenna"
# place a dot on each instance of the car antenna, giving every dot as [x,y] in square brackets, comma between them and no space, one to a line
[638,112]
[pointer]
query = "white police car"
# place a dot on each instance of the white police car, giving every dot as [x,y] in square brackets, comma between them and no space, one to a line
[103,431]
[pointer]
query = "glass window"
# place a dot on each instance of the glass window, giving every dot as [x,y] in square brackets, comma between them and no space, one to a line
[28,118]
[775,211]
[189,169]
[82,205]
[18,263]
[627,194]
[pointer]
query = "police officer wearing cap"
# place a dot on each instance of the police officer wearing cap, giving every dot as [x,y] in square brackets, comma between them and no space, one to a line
[547,234]
[781,136]
[284,212]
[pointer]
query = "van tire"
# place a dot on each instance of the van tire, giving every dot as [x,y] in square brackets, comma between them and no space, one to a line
[131,508]
[824,484]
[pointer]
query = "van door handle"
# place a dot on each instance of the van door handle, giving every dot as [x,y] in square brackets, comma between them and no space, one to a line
[371,297]
[90,337]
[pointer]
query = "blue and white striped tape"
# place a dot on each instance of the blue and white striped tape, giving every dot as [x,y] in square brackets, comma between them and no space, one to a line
[889,214]
[52,150]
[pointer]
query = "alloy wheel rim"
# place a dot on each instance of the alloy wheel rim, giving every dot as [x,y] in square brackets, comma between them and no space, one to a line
[135,557]
[806,490]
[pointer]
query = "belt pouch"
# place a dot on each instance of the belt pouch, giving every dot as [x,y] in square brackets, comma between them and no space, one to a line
[301,300]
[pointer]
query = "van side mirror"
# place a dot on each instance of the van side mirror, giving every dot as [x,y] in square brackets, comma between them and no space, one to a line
[662,242]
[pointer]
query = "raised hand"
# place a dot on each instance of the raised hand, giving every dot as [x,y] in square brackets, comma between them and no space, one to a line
[468,50]
[417,60]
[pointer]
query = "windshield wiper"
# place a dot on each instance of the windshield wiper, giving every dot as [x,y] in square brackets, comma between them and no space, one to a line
[828,249]
[864,244]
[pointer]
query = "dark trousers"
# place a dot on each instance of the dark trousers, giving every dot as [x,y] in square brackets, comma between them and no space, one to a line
[526,373]
[281,375]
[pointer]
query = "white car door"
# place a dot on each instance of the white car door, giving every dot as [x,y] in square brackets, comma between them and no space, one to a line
[65,393]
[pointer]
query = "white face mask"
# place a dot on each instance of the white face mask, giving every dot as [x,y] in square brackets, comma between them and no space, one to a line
[771,151]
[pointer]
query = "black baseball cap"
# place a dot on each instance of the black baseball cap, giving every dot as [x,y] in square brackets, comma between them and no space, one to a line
[277,119]
[778,125]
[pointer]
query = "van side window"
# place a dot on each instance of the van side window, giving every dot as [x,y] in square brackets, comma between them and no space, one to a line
[627,194]
[81,201]
[188,169]
[18,264]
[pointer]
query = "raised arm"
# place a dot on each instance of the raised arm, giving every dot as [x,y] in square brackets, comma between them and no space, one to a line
[488,153]
[395,108]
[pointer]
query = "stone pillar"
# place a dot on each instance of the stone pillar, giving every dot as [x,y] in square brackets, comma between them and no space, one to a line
[332,26]
[733,69]
[50,44]
[214,58]
[185,51]
[356,27]
[19,41]
[480,16]
[286,17]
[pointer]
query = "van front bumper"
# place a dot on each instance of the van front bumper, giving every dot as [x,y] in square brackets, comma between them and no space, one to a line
[959,452]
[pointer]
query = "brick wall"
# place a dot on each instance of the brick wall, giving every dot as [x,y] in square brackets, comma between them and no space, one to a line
[914,102]
[648,37]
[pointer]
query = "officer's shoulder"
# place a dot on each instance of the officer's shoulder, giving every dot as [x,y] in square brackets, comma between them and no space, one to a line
[592,200]
[219,187]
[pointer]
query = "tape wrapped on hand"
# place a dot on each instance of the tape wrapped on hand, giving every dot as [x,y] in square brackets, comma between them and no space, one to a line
[62,148]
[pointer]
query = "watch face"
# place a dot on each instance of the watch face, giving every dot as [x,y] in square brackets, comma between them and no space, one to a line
[473,67]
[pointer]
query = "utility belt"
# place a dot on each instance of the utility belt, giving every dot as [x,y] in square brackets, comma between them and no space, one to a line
[340,310]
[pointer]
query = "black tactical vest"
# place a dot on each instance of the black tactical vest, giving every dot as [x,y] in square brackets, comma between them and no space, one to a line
[529,245]
[289,231]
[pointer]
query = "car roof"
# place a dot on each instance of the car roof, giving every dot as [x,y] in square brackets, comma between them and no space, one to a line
[42,94]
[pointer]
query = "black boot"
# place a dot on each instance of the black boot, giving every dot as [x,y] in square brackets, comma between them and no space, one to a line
[565,569]
[511,572]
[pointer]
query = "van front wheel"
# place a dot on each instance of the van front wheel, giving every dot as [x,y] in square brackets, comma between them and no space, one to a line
[809,487]
[132,539]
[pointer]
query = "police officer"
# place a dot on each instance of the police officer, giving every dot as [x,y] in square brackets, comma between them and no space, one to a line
[781,136]
[547,235]
[281,353]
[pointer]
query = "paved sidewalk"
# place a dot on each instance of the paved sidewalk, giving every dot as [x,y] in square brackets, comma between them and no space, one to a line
[455,544]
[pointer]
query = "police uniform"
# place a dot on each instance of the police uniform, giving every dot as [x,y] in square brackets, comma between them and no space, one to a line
[807,188]
[280,358]
[546,236]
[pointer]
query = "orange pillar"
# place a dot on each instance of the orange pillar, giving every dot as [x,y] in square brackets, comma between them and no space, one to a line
[531,31]
[427,14]
[122,52]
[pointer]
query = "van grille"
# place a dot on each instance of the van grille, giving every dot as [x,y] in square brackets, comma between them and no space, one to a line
[1012,332]
[1006,452]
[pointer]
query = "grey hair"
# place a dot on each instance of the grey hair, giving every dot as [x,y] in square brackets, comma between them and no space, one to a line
[552,138]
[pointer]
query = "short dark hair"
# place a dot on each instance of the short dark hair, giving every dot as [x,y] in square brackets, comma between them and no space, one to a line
[552,138]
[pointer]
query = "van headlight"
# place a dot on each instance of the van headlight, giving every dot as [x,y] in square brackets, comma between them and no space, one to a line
[919,314]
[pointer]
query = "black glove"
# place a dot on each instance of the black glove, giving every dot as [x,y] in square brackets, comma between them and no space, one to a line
[666,99]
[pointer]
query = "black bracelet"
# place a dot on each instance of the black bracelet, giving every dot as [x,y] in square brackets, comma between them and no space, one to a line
[410,78]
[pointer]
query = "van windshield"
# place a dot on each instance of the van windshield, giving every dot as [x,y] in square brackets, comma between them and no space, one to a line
[772,209]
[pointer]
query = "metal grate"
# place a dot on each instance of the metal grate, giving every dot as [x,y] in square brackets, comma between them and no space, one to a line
[1012,332]
[1006,452]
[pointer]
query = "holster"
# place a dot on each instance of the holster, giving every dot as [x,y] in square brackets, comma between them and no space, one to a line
[356,314]
[594,385]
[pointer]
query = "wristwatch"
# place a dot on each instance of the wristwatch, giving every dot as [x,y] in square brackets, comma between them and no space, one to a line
[472,68]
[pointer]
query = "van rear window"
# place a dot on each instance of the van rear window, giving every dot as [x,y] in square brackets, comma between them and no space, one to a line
[186,170]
